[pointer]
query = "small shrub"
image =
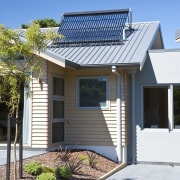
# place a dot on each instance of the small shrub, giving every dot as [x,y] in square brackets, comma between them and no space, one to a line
[83,158]
[34,168]
[75,163]
[63,172]
[92,159]
[46,169]
[46,176]
[64,155]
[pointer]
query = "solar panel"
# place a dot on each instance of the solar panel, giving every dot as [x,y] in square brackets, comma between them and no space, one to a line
[97,27]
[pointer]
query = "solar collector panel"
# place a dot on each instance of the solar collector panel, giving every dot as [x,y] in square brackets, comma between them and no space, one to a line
[94,27]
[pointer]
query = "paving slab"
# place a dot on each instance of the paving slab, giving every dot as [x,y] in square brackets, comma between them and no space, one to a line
[147,172]
[26,154]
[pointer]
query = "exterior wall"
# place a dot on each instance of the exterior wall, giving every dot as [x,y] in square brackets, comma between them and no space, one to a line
[155,144]
[39,124]
[89,127]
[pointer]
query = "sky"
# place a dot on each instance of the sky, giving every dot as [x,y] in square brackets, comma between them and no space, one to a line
[14,13]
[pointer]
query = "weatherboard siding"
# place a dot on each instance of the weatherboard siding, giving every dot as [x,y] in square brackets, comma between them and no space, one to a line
[40,100]
[89,127]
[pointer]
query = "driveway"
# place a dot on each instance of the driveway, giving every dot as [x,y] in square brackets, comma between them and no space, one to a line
[147,172]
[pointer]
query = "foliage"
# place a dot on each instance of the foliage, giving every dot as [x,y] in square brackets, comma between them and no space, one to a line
[92,159]
[34,168]
[46,176]
[64,154]
[43,23]
[46,169]
[63,172]
[15,72]
[73,162]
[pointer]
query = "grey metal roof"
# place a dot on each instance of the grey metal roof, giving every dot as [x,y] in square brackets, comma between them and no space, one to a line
[132,52]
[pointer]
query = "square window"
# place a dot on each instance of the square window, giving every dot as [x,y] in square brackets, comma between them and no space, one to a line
[58,86]
[93,92]
[155,107]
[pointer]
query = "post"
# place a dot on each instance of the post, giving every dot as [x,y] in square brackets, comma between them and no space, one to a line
[20,148]
[8,148]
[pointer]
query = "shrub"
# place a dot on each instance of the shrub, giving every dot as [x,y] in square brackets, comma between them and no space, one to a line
[46,176]
[63,172]
[46,169]
[34,168]
[92,159]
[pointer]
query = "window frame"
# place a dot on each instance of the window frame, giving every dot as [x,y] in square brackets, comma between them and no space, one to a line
[107,93]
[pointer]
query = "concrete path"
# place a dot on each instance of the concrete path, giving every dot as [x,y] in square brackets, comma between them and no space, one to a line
[26,154]
[147,172]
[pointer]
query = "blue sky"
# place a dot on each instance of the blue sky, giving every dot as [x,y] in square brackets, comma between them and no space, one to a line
[14,13]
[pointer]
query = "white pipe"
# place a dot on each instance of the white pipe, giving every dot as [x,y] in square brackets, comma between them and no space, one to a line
[133,120]
[118,102]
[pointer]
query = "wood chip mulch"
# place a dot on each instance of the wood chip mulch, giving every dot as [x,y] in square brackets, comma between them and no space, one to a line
[53,160]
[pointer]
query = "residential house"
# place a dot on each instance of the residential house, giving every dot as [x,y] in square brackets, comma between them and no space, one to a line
[108,86]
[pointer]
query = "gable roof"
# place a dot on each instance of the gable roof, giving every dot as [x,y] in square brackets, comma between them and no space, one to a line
[132,51]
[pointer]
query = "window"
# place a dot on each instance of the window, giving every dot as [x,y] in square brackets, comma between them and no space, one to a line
[57,109]
[155,107]
[176,106]
[93,92]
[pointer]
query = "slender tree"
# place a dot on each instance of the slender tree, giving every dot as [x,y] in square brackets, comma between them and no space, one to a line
[18,60]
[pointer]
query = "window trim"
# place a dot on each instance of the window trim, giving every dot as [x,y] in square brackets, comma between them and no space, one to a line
[107,93]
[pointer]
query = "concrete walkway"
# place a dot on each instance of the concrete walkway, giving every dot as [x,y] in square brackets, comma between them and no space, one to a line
[26,154]
[147,172]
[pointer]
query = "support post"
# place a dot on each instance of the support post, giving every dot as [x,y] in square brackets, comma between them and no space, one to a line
[20,148]
[8,148]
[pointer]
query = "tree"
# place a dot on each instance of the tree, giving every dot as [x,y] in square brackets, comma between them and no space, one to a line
[43,23]
[15,72]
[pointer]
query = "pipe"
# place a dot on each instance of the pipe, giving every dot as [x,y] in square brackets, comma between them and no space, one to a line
[118,101]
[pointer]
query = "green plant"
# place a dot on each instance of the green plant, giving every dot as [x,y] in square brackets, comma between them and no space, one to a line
[64,154]
[46,176]
[46,169]
[34,168]
[92,159]
[63,172]
[74,164]
[84,158]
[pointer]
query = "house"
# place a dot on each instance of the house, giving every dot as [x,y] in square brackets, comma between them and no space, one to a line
[109,86]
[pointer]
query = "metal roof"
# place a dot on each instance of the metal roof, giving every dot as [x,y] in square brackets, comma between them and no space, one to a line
[133,51]
[95,27]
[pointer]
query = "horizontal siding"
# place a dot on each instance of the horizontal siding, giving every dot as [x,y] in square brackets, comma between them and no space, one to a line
[40,111]
[89,127]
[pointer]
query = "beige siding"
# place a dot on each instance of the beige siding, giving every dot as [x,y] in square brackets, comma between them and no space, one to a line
[40,111]
[89,127]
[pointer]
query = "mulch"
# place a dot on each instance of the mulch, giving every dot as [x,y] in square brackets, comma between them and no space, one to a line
[102,166]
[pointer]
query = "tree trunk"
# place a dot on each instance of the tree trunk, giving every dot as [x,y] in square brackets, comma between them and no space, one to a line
[15,139]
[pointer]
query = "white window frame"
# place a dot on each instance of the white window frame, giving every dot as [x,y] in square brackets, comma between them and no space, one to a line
[107,93]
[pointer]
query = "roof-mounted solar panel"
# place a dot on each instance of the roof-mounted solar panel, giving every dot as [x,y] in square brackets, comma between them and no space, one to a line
[97,27]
